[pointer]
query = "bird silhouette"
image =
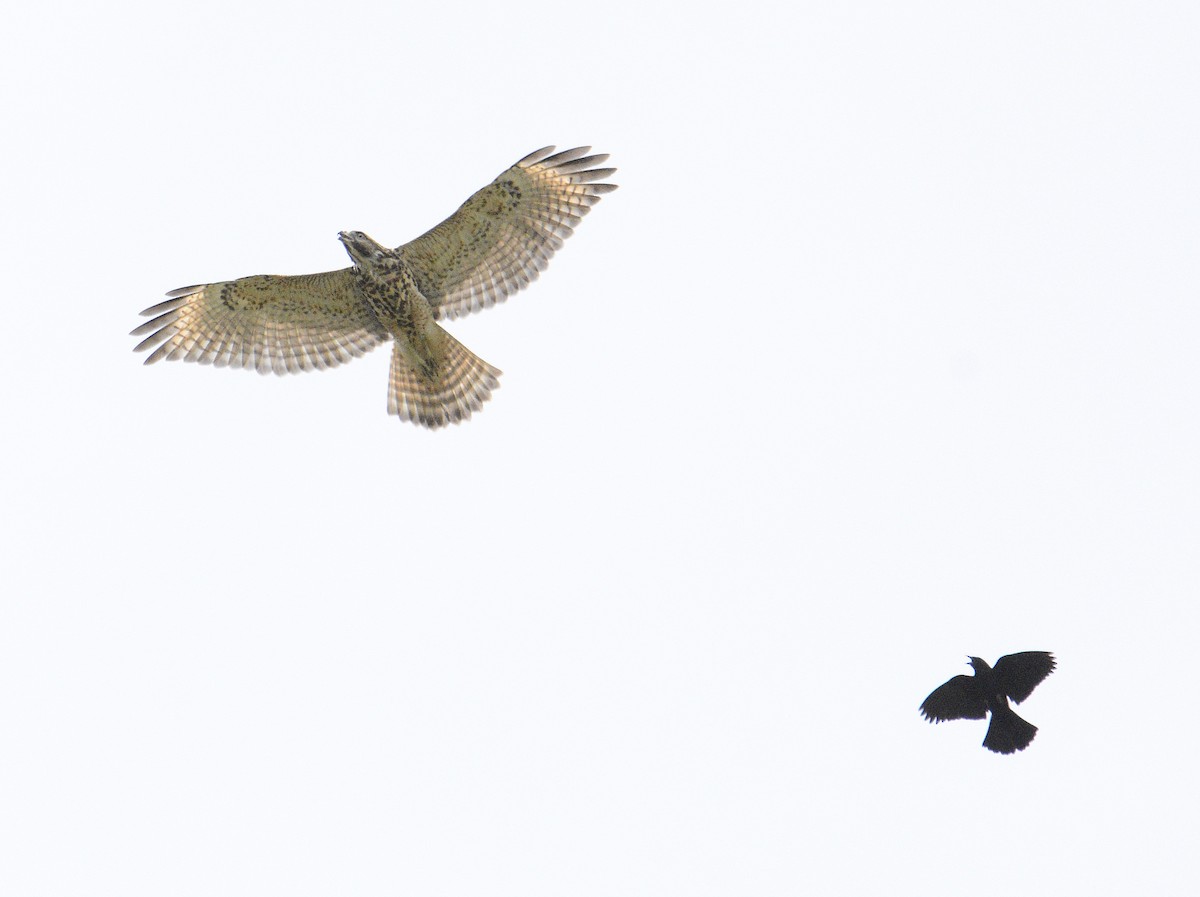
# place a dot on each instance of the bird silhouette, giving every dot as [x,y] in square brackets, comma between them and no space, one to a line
[1014,676]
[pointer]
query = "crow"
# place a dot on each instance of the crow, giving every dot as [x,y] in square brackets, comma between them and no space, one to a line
[1015,676]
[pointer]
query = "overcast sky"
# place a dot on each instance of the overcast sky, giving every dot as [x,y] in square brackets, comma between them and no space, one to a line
[884,354]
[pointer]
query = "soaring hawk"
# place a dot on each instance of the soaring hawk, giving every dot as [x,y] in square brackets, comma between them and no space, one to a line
[494,245]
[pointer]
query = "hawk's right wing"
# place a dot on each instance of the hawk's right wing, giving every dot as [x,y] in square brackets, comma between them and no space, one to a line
[503,236]
[266,322]
[957,699]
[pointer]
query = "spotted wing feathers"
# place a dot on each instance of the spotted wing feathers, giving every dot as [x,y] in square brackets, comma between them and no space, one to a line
[504,235]
[266,322]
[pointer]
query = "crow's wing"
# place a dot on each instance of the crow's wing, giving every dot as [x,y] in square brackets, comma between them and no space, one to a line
[503,236]
[960,698]
[1019,674]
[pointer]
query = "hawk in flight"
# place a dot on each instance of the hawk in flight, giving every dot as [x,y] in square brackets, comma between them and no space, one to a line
[494,245]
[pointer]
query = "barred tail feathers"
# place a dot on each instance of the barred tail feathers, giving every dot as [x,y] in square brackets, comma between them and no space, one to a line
[460,384]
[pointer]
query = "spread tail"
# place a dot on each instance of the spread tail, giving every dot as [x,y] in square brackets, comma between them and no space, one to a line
[1008,733]
[447,394]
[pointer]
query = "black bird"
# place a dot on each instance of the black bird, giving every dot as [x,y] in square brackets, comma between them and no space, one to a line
[988,691]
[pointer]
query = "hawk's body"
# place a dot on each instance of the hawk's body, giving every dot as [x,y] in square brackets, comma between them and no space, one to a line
[494,245]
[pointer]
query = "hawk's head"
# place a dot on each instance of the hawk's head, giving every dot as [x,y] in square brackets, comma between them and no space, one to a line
[365,252]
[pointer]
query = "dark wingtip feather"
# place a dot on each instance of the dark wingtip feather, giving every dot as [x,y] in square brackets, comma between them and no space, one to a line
[186,291]
[568,155]
[163,306]
[536,156]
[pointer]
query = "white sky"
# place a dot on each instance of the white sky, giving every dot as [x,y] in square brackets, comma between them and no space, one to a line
[884,353]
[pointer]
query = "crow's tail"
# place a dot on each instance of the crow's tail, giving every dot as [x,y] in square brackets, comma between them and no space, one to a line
[1008,733]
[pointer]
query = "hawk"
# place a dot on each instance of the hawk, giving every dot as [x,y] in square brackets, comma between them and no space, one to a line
[494,245]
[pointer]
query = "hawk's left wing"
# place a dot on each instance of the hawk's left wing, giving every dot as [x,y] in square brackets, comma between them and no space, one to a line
[266,322]
[500,238]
